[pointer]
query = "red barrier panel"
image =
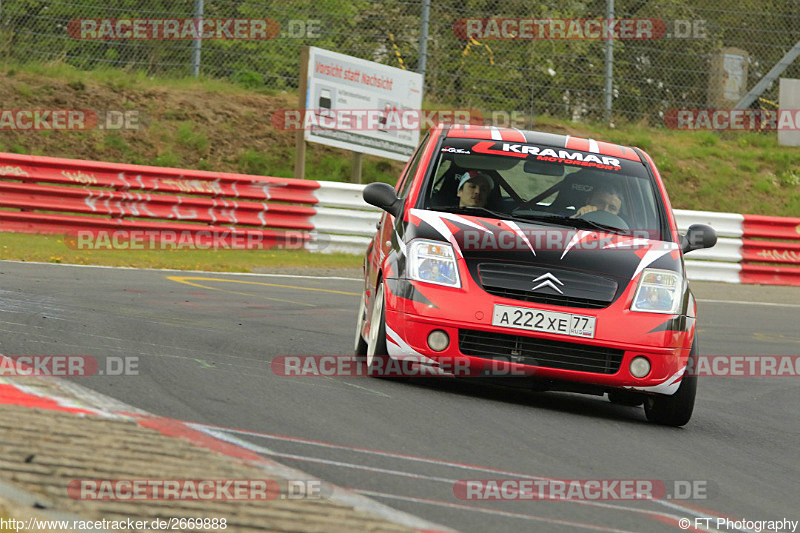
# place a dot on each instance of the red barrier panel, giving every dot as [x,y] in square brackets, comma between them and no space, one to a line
[763,227]
[170,207]
[144,178]
[769,275]
[770,252]
[133,197]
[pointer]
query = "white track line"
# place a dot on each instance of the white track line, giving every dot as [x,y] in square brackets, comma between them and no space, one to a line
[743,302]
[297,440]
[342,464]
[344,495]
[449,481]
[465,507]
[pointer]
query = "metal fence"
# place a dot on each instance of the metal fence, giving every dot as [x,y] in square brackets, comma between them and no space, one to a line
[564,77]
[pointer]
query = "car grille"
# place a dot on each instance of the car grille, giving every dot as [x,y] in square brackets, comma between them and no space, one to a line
[516,281]
[547,299]
[539,352]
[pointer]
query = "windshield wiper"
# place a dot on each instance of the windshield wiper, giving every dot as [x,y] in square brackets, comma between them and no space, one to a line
[474,210]
[574,222]
[602,227]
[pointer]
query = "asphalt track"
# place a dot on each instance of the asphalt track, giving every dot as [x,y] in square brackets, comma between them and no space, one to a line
[205,342]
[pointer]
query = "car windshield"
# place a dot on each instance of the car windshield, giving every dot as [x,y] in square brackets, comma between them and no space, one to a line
[544,184]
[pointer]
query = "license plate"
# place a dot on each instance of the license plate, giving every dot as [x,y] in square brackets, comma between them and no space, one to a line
[508,316]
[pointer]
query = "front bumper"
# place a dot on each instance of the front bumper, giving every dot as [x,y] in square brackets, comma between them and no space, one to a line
[603,361]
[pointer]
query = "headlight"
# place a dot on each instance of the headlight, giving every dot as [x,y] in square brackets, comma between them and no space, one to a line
[659,291]
[433,262]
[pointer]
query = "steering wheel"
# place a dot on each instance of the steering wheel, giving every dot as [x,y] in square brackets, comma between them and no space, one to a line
[606,218]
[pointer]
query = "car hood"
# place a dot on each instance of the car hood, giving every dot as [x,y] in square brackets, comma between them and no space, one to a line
[508,256]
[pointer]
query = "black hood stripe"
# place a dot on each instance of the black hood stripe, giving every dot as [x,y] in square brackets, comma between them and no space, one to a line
[402,288]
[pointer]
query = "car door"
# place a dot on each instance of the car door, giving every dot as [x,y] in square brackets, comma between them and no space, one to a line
[383,238]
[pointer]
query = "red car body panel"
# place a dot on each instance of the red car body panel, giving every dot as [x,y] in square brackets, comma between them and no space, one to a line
[414,308]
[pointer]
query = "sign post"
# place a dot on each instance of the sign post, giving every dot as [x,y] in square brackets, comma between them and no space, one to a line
[299,139]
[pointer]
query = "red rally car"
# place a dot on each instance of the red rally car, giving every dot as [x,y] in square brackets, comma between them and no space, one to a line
[557,256]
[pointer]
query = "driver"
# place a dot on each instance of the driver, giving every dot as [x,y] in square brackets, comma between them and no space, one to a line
[474,188]
[603,198]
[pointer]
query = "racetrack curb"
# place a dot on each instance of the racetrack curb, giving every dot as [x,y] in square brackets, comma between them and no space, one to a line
[55,431]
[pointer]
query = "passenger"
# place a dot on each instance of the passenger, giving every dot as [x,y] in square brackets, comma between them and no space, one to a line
[474,188]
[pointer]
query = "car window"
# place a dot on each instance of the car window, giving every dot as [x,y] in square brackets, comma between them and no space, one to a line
[531,182]
[528,183]
[440,174]
[408,178]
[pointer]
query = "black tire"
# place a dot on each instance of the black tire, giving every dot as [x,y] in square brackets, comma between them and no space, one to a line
[377,354]
[675,410]
[627,398]
[360,344]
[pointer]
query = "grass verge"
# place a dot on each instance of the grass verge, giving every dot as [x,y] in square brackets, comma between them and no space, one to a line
[212,124]
[51,249]
[199,123]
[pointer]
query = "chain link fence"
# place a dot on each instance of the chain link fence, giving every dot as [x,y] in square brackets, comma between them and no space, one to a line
[484,70]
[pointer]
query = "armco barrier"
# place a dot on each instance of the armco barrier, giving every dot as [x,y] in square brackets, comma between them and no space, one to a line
[761,227]
[765,241]
[53,195]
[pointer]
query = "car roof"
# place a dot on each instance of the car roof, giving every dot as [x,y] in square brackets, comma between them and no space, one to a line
[513,135]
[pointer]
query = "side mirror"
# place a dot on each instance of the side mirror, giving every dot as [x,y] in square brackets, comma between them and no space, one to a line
[383,195]
[698,236]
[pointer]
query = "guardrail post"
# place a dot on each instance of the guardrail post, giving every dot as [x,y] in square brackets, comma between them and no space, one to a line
[355,175]
[299,137]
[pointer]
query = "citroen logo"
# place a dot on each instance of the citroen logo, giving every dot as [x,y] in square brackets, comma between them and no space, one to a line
[548,282]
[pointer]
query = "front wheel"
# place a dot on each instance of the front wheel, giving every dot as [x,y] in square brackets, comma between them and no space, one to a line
[360,343]
[378,358]
[675,410]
